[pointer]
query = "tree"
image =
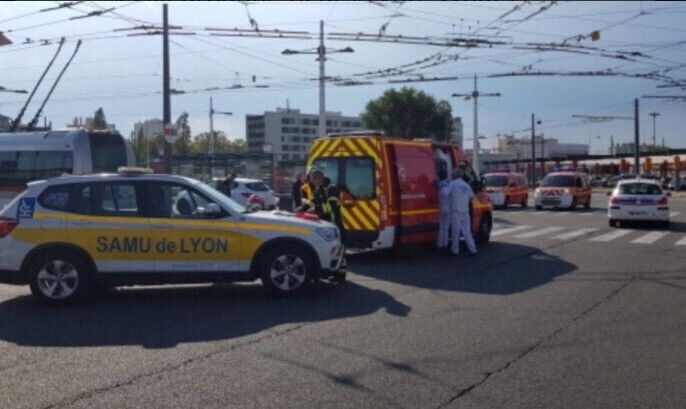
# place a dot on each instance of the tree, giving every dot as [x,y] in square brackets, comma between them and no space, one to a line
[182,146]
[409,113]
[222,144]
[139,144]
[99,121]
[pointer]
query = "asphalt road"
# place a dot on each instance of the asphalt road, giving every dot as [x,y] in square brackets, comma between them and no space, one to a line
[558,311]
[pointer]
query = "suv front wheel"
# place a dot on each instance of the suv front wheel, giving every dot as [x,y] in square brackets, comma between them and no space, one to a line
[286,269]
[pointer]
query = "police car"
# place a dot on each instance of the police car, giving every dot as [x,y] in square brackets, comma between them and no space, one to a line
[638,200]
[66,236]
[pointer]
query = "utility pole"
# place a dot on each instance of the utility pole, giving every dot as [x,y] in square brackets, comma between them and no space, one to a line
[637,138]
[542,155]
[213,137]
[654,115]
[474,95]
[533,151]
[612,145]
[166,97]
[321,52]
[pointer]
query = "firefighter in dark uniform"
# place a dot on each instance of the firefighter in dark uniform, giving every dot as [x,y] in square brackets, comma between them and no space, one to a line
[326,203]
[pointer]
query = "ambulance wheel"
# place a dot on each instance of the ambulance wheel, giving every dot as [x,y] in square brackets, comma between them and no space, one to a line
[525,202]
[483,235]
[539,207]
[612,222]
[59,278]
[286,269]
[588,203]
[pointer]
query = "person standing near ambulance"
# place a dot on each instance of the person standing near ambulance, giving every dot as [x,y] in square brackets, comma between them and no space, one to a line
[460,223]
[444,211]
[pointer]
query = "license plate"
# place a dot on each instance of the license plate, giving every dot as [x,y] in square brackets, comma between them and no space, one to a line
[638,213]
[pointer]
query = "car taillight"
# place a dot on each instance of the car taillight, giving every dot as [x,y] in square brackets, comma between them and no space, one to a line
[614,200]
[7,225]
[662,201]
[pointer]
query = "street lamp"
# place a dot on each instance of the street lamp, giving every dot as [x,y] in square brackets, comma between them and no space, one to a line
[321,52]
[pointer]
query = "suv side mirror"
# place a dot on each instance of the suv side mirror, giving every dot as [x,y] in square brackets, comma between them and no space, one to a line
[212,209]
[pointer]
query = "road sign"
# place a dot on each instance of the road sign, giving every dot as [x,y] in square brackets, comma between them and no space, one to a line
[170,134]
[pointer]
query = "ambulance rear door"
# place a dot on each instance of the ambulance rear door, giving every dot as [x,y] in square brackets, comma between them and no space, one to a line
[353,165]
[415,196]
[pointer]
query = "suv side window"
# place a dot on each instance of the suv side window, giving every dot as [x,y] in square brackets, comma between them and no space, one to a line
[115,199]
[56,197]
[176,201]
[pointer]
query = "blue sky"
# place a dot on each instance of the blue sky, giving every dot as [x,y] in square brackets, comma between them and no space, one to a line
[122,74]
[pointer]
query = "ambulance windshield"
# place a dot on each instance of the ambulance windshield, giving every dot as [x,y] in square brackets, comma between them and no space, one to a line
[496,181]
[558,181]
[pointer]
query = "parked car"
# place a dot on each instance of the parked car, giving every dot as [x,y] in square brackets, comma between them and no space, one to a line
[563,189]
[504,188]
[243,188]
[677,184]
[638,200]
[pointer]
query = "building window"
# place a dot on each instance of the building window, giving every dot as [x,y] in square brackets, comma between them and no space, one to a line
[288,121]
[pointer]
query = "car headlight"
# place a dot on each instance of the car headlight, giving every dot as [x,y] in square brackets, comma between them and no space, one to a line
[328,233]
[537,192]
[566,191]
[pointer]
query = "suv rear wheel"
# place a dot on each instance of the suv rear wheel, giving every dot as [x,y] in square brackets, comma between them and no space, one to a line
[59,278]
[286,269]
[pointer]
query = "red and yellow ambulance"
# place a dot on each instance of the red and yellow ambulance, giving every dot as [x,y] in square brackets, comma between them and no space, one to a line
[390,189]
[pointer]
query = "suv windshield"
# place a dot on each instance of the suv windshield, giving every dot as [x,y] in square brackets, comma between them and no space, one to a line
[558,181]
[495,181]
[639,189]
[220,198]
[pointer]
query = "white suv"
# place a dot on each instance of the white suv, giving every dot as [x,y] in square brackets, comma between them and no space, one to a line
[65,235]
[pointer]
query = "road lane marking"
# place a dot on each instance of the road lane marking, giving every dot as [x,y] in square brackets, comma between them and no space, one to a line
[674,214]
[561,213]
[651,237]
[540,232]
[509,230]
[611,235]
[681,242]
[575,233]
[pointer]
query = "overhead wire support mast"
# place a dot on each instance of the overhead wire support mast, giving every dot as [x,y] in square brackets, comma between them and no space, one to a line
[17,120]
[321,52]
[475,95]
[34,121]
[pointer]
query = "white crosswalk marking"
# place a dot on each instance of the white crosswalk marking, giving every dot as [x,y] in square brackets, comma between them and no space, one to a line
[651,237]
[611,235]
[508,230]
[538,233]
[561,213]
[674,214]
[575,233]
[681,242]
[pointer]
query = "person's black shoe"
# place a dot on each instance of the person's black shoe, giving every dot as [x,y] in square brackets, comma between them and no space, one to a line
[339,278]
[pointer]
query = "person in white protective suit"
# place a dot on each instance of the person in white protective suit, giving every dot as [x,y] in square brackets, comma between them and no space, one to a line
[460,222]
[444,211]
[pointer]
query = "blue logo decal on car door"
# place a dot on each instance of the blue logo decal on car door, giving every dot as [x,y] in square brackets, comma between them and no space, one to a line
[26,207]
